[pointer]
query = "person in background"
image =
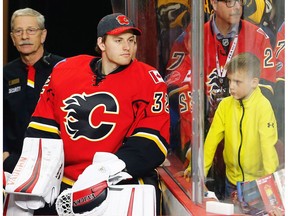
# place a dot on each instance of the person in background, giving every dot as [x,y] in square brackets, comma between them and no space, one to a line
[113,104]
[173,16]
[280,90]
[246,122]
[180,101]
[178,48]
[23,79]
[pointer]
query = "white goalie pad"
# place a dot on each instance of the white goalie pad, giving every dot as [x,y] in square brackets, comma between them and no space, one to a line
[38,173]
[133,200]
[120,200]
[11,209]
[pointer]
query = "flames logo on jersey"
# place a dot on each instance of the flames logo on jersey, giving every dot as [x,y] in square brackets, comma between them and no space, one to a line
[218,88]
[91,116]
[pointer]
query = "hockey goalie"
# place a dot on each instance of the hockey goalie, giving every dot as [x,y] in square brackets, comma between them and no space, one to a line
[37,177]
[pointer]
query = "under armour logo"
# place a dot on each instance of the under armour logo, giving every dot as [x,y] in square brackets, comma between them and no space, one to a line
[269,124]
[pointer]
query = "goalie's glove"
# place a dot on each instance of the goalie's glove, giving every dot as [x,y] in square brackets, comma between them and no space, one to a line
[36,179]
[90,193]
[112,165]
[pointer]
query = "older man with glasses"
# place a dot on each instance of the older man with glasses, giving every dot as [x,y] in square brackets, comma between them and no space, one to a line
[23,79]
[225,36]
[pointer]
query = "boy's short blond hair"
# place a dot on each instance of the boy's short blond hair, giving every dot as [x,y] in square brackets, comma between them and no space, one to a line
[247,62]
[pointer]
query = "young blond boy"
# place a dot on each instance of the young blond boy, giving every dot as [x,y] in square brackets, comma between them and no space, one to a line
[246,122]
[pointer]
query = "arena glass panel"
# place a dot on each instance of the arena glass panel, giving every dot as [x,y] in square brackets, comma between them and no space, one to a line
[196,87]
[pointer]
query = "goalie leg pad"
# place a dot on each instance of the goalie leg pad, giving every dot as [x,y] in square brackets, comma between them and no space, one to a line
[134,200]
[39,170]
[11,209]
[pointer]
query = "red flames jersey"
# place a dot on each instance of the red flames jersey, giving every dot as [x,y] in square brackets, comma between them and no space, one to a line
[180,99]
[250,39]
[126,113]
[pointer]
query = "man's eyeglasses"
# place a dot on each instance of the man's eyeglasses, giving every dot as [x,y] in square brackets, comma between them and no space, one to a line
[29,31]
[231,3]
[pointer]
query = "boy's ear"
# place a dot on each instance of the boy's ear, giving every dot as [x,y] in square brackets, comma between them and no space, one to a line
[255,82]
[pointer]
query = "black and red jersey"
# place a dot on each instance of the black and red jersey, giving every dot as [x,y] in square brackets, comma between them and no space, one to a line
[125,112]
